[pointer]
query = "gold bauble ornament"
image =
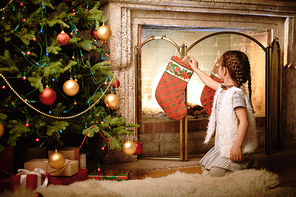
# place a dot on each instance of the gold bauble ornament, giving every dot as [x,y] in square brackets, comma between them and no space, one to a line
[71,87]
[129,147]
[56,160]
[111,100]
[104,32]
[1,130]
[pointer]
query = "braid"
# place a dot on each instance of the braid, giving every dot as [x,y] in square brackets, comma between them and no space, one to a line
[250,91]
[238,73]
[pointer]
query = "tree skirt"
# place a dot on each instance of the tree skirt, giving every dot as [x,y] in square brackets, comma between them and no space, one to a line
[240,183]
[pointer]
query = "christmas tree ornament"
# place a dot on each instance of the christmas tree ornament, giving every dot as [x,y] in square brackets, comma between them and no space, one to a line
[24,78]
[28,52]
[27,124]
[63,38]
[3,87]
[71,87]
[34,39]
[170,89]
[116,83]
[94,34]
[56,160]
[111,100]
[1,130]
[139,148]
[104,32]
[48,96]
[129,147]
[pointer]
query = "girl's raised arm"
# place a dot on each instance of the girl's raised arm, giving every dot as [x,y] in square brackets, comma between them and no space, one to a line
[206,79]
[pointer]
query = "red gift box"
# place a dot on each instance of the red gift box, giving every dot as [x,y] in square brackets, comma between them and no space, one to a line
[80,176]
[115,175]
[30,179]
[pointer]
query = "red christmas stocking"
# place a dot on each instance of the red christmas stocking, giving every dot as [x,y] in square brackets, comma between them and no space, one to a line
[170,89]
[207,95]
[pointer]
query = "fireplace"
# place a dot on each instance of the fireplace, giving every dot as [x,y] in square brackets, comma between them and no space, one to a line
[133,21]
[206,46]
[155,55]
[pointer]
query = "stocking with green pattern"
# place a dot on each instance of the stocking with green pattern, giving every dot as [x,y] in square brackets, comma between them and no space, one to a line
[170,89]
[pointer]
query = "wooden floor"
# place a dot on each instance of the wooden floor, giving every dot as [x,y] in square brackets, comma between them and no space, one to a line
[161,173]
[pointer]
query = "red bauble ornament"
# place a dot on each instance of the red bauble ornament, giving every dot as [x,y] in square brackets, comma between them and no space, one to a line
[139,148]
[27,125]
[63,38]
[48,96]
[94,34]
[116,83]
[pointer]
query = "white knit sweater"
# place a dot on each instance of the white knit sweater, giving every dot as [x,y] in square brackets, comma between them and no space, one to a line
[228,123]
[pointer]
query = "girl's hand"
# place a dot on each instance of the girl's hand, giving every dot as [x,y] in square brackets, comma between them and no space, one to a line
[193,63]
[185,60]
[236,153]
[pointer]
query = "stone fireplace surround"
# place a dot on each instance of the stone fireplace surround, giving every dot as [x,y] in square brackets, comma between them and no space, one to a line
[126,16]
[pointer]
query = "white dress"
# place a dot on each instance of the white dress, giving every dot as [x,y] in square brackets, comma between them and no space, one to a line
[213,157]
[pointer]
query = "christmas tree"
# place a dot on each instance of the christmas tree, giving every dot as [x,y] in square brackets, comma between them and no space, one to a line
[55,74]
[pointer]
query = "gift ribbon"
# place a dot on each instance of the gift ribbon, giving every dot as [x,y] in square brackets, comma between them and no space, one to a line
[36,171]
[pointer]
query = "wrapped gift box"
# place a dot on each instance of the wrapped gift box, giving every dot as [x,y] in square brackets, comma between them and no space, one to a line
[69,170]
[80,176]
[36,163]
[68,152]
[30,179]
[116,175]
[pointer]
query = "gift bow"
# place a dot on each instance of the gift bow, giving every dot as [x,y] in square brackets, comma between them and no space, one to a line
[37,171]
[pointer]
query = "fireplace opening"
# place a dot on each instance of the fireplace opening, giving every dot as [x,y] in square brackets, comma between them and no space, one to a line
[155,56]
[159,133]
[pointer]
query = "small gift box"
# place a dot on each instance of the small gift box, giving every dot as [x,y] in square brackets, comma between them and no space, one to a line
[116,175]
[68,152]
[69,170]
[30,179]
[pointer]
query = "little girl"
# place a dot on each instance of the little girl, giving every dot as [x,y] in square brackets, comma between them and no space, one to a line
[232,118]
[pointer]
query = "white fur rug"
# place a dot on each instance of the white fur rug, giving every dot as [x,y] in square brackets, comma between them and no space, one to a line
[241,183]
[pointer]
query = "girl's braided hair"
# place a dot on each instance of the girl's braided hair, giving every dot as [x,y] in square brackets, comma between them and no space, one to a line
[238,66]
